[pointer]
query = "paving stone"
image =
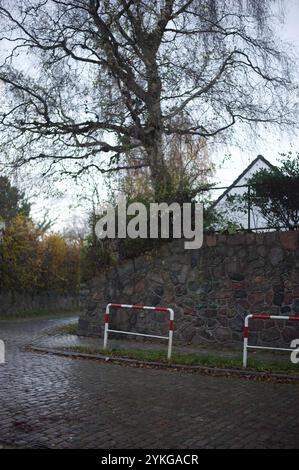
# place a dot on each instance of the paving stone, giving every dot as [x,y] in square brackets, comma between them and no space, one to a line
[54,402]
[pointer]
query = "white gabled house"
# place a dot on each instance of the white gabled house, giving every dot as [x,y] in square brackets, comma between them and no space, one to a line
[253,219]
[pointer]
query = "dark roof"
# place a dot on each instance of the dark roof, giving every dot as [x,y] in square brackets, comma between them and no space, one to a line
[235,183]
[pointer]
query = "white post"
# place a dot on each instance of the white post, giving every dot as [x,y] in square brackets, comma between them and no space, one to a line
[107,317]
[170,345]
[245,353]
[171,328]
[245,349]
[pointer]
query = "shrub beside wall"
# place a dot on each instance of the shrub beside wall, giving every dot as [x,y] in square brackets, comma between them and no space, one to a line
[35,266]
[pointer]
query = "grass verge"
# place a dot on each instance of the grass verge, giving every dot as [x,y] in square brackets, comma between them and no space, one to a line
[193,359]
[34,314]
[70,329]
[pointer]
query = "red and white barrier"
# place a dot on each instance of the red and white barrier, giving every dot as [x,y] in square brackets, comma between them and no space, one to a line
[140,307]
[246,334]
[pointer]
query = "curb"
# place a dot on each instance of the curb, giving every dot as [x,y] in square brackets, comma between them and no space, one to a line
[202,370]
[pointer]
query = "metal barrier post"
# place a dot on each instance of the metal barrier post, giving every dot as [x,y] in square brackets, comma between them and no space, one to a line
[171,329]
[246,334]
[107,318]
[140,307]
[245,348]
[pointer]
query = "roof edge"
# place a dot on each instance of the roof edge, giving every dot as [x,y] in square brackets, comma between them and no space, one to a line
[235,183]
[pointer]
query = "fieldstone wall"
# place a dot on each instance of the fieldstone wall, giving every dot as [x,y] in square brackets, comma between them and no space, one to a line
[211,290]
[12,302]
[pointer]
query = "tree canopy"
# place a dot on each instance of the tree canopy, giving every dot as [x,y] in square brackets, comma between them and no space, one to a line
[12,200]
[88,82]
[32,260]
[276,193]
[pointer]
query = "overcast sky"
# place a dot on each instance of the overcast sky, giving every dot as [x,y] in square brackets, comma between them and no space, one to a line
[270,145]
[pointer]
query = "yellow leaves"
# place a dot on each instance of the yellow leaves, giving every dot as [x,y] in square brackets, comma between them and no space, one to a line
[32,260]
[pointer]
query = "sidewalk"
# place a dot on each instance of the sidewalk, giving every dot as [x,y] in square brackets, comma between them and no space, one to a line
[69,341]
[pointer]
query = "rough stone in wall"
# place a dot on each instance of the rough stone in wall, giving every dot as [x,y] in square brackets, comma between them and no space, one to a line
[211,290]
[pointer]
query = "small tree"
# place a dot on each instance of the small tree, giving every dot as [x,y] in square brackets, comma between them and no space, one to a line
[12,201]
[20,255]
[275,192]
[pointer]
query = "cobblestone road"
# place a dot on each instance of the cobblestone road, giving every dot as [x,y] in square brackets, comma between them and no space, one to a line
[51,401]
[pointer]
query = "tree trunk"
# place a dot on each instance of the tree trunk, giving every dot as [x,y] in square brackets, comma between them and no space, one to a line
[161,179]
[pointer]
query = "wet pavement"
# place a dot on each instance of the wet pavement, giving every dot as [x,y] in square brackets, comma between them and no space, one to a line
[49,401]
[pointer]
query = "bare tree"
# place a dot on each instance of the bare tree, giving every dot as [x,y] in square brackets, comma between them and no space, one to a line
[88,81]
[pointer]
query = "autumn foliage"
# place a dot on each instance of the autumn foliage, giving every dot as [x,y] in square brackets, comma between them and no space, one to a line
[30,259]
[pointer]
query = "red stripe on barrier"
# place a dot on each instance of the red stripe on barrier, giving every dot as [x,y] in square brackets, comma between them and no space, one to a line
[261,317]
[171,325]
[138,307]
[107,318]
[294,318]
[246,332]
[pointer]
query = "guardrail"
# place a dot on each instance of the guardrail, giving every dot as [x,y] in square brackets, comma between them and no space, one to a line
[140,307]
[246,334]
